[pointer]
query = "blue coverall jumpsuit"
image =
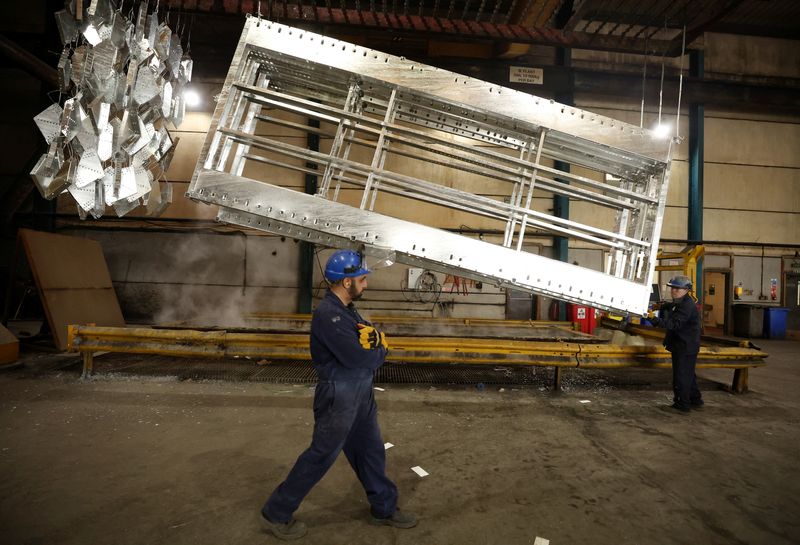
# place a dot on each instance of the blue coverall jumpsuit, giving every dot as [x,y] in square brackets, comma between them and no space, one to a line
[345,415]
[683,341]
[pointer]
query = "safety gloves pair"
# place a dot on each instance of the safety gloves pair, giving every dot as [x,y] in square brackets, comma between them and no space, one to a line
[370,338]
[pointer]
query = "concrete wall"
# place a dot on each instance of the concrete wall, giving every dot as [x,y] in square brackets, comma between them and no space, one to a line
[752,56]
[206,279]
[389,294]
[756,275]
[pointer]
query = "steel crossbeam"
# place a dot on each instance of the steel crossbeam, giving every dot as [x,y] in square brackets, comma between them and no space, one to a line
[394,130]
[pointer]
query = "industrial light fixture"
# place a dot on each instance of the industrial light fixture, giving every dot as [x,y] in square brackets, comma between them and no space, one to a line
[662,130]
[191,98]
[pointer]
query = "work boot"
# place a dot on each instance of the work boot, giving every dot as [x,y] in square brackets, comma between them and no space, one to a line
[675,408]
[294,529]
[397,520]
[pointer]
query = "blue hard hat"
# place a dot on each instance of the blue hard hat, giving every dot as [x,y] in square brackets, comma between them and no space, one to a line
[345,264]
[680,282]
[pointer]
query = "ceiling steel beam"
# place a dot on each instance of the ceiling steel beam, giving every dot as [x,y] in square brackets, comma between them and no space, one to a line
[620,17]
[608,20]
[785,32]
[697,29]
[764,94]
[425,26]
[657,19]
[575,16]
[717,93]
[456,29]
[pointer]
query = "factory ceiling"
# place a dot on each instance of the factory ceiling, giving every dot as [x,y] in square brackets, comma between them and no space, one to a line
[633,26]
[482,37]
[476,37]
[444,29]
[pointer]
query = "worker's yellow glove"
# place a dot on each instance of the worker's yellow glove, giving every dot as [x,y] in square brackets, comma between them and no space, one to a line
[651,313]
[368,337]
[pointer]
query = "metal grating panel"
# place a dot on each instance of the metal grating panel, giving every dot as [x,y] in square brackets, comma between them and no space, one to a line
[387,120]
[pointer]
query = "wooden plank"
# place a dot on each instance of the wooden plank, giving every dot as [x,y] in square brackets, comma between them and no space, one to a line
[64,262]
[73,281]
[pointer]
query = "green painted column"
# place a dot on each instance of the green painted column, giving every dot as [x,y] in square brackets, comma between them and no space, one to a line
[694,231]
[560,202]
[696,157]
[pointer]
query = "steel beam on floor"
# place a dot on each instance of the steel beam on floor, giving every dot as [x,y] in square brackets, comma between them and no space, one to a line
[272,347]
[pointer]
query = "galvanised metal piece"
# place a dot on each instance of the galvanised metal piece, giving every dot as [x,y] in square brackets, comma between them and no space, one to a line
[397,127]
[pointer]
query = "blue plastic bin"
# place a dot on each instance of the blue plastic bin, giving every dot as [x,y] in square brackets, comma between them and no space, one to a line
[775,322]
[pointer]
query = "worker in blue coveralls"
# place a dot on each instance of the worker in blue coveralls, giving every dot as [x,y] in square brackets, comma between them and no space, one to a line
[682,321]
[346,350]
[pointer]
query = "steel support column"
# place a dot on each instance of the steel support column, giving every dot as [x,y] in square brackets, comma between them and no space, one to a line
[696,161]
[561,202]
[696,157]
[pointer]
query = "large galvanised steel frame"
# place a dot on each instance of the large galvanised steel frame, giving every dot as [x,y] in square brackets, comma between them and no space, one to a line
[360,99]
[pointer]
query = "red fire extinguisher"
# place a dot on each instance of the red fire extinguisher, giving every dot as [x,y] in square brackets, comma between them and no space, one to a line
[773,289]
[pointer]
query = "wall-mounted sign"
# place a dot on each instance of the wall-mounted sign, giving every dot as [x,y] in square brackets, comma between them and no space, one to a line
[526,74]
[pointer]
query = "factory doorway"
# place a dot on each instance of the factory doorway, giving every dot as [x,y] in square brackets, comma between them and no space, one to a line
[716,301]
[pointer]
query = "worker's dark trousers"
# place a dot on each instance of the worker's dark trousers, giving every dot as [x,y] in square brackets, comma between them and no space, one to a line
[684,381]
[345,418]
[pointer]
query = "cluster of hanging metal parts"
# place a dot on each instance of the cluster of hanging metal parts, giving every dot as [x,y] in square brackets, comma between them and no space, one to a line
[122,77]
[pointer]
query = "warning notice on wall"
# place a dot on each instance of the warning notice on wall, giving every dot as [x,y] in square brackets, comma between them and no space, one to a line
[525,74]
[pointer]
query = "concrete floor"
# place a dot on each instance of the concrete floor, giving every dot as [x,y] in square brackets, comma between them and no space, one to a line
[144,461]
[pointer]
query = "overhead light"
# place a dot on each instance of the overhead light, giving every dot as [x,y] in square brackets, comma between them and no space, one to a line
[662,130]
[192,98]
